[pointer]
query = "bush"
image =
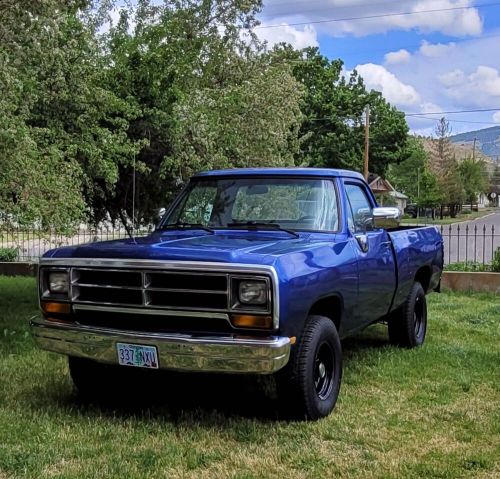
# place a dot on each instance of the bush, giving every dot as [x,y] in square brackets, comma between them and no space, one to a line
[469,266]
[495,263]
[8,254]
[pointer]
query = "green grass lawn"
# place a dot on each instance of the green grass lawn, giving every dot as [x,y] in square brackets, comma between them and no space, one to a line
[432,412]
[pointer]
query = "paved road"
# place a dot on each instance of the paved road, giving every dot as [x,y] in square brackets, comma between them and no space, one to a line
[474,240]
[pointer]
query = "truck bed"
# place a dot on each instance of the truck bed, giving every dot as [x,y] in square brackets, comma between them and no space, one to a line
[416,249]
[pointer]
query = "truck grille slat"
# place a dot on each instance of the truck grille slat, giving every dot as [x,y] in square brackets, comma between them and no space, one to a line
[184,281]
[108,296]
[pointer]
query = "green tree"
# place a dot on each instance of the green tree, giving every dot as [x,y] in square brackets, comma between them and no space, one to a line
[332,134]
[494,184]
[62,132]
[445,166]
[88,111]
[430,195]
[414,178]
[474,178]
[170,89]
[206,99]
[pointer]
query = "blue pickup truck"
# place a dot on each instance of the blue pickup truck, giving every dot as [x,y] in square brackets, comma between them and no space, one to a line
[251,271]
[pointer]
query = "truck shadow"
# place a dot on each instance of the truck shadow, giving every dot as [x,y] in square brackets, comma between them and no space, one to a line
[178,397]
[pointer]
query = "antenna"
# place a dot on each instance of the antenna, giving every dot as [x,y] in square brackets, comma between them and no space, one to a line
[133,201]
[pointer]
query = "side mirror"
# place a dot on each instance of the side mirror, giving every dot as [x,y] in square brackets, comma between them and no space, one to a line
[386,217]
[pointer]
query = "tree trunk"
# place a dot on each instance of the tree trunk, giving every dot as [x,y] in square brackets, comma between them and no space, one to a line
[126,225]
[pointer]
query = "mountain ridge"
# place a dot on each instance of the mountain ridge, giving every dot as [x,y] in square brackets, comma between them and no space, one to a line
[487,140]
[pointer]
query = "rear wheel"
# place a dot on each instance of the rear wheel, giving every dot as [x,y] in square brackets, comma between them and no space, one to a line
[309,386]
[408,324]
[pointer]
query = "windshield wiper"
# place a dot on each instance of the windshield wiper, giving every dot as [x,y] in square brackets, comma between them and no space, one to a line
[187,226]
[255,225]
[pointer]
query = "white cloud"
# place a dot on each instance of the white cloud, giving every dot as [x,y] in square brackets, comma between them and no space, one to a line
[481,87]
[298,37]
[453,78]
[465,79]
[401,56]
[378,78]
[496,117]
[429,107]
[385,16]
[487,80]
[436,50]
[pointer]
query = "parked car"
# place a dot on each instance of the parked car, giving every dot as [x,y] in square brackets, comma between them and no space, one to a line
[413,211]
[252,271]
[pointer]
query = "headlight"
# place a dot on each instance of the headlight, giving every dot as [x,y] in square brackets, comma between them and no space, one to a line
[58,282]
[252,292]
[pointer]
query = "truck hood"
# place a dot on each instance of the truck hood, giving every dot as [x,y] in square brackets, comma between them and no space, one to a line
[231,246]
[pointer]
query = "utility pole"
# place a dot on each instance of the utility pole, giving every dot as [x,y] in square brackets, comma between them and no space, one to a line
[474,150]
[367,140]
[418,193]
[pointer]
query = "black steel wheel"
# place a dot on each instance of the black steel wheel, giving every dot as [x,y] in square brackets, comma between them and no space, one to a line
[309,385]
[408,324]
[324,369]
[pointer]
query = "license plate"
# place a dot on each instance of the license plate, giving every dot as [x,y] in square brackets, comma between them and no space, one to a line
[137,355]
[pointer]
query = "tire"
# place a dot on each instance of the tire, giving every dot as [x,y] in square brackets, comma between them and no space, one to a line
[408,325]
[309,385]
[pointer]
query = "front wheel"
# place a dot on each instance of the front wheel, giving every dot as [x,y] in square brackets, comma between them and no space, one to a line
[309,386]
[408,324]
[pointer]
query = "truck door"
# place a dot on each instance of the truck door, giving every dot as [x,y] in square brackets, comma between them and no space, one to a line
[376,264]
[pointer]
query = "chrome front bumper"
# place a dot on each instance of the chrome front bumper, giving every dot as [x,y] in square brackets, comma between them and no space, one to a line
[181,352]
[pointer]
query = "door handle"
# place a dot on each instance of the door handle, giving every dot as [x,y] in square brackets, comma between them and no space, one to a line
[362,242]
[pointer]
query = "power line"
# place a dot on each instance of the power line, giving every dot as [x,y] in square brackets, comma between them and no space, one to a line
[460,121]
[450,43]
[340,7]
[479,110]
[415,45]
[423,115]
[382,15]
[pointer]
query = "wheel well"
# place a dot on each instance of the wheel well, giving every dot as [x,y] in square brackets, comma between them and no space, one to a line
[423,276]
[331,307]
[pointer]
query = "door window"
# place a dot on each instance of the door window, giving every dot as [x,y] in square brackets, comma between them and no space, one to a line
[359,214]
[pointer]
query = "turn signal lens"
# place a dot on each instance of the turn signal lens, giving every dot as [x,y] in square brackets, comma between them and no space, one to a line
[250,321]
[62,308]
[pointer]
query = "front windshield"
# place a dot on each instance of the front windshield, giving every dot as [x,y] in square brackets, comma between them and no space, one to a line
[291,203]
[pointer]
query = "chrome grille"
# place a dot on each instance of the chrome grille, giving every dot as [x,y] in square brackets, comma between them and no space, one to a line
[151,289]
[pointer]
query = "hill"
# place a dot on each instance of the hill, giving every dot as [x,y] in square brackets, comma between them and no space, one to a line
[488,140]
[462,150]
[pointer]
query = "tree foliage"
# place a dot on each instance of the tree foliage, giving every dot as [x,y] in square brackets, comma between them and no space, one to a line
[61,131]
[414,177]
[474,178]
[446,167]
[332,134]
[90,108]
[207,98]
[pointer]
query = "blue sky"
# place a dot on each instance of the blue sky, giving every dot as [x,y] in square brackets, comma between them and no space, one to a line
[424,62]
